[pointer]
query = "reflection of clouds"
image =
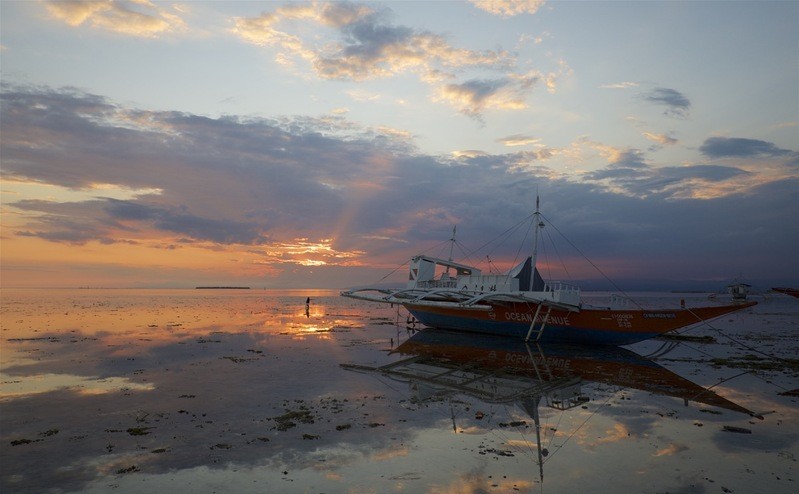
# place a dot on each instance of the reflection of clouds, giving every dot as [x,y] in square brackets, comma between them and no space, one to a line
[210,415]
[478,481]
[615,433]
[759,440]
[391,453]
[85,385]
[671,449]
[214,383]
[774,404]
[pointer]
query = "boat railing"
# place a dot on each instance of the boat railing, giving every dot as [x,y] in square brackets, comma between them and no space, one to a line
[619,302]
[563,292]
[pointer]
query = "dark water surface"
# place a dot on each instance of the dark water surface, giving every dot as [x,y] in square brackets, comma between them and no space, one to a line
[244,391]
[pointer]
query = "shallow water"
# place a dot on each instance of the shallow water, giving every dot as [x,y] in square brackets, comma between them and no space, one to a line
[244,391]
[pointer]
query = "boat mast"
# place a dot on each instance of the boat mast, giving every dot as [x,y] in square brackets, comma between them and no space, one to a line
[538,226]
[452,241]
[451,245]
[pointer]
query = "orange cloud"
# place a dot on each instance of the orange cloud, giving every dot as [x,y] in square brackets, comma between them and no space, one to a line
[519,140]
[359,45]
[509,8]
[660,138]
[671,449]
[367,47]
[474,97]
[141,18]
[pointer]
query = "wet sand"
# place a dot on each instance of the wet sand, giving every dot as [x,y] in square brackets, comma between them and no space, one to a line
[244,391]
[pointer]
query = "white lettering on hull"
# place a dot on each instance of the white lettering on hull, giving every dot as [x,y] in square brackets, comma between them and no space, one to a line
[552,362]
[527,317]
[623,320]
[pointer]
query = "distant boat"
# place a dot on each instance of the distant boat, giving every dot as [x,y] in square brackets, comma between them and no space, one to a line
[222,287]
[793,292]
[739,291]
[520,304]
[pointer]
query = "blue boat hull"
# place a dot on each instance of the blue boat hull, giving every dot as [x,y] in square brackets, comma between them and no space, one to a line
[551,334]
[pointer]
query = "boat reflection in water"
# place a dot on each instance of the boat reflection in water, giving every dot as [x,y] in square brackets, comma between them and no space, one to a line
[508,371]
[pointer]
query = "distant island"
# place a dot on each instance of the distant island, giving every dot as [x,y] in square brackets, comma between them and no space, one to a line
[222,287]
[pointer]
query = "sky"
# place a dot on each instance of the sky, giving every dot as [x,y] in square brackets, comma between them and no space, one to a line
[323,144]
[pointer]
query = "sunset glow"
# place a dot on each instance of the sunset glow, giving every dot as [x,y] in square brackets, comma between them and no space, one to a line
[323,144]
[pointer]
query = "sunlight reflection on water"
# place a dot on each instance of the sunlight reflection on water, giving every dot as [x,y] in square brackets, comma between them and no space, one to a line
[242,391]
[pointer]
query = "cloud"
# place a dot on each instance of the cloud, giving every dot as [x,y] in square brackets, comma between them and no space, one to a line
[662,139]
[356,42]
[519,140]
[475,96]
[676,103]
[629,173]
[619,85]
[111,221]
[736,147]
[326,192]
[362,44]
[285,172]
[509,8]
[134,18]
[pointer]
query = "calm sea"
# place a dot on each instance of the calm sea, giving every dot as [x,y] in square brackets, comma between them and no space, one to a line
[188,391]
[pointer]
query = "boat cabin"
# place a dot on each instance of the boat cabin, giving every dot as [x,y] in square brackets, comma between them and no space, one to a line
[430,273]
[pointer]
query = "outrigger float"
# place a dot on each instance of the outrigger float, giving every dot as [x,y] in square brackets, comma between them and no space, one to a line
[520,304]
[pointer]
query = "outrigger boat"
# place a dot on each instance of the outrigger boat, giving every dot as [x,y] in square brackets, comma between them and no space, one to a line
[520,304]
[793,292]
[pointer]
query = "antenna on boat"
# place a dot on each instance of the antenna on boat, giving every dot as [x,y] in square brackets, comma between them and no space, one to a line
[452,241]
[452,244]
[538,225]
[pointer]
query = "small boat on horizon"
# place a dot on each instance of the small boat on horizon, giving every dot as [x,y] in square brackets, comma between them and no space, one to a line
[521,304]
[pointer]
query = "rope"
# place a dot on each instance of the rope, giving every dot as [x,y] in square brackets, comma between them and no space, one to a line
[615,286]
[437,246]
[737,342]
[580,427]
[557,254]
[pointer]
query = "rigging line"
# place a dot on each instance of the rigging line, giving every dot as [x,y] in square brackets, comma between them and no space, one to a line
[505,438]
[555,431]
[389,386]
[499,240]
[615,286]
[521,245]
[506,233]
[707,354]
[526,442]
[464,252]
[437,246]
[750,348]
[557,254]
[718,383]
[545,255]
[392,272]
[581,426]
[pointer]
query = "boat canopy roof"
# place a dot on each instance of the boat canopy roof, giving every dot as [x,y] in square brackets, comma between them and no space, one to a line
[461,269]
